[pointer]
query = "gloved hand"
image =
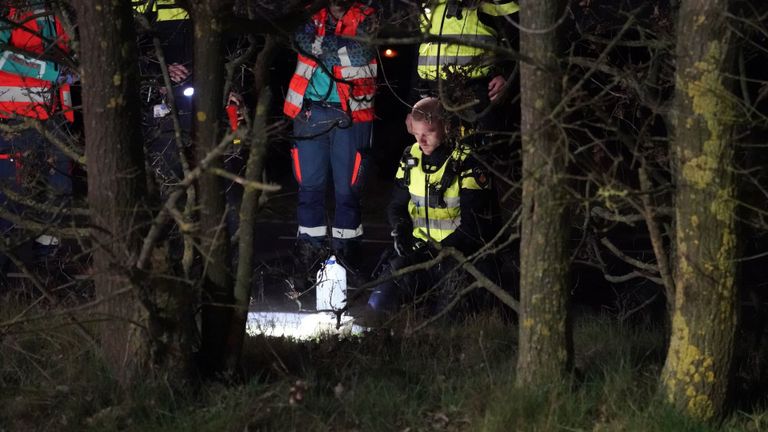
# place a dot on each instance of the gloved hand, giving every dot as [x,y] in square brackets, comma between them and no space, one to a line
[403,240]
[67,76]
[178,72]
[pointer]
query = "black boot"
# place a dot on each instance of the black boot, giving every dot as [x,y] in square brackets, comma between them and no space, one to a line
[308,258]
[349,254]
[309,255]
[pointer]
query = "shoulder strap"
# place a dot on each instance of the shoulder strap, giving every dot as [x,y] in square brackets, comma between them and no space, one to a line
[452,169]
[407,162]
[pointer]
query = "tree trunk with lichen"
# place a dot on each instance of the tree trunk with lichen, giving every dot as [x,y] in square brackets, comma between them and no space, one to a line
[544,351]
[207,131]
[116,177]
[249,206]
[695,375]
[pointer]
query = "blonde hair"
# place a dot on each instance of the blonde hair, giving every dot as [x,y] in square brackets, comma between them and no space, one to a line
[428,110]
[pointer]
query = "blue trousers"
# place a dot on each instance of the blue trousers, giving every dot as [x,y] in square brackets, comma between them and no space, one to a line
[32,168]
[327,142]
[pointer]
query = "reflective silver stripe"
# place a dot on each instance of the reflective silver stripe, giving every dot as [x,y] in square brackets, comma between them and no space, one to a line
[495,9]
[482,38]
[358,105]
[25,94]
[294,98]
[440,224]
[450,202]
[4,58]
[356,72]
[304,70]
[66,99]
[344,57]
[425,60]
[342,233]
[319,231]
[418,200]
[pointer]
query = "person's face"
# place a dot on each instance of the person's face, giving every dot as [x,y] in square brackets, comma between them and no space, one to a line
[338,8]
[429,135]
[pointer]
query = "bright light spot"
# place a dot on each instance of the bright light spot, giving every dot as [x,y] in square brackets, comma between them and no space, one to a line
[427,11]
[300,326]
[389,52]
[189,91]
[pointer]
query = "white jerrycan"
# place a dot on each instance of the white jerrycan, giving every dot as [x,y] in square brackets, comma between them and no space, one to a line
[331,288]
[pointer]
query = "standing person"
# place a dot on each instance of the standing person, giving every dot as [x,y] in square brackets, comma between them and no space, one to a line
[330,99]
[441,195]
[469,75]
[34,85]
[173,28]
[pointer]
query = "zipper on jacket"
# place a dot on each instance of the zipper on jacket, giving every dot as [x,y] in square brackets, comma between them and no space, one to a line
[426,205]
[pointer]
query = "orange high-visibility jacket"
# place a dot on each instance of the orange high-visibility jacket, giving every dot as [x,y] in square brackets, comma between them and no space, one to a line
[356,85]
[27,83]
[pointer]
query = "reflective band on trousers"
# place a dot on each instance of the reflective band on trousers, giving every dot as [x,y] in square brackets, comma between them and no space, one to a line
[313,231]
[343,233]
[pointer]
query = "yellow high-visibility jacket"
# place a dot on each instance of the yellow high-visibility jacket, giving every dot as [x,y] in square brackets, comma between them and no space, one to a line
[469,61]
[441,200]
[166,10]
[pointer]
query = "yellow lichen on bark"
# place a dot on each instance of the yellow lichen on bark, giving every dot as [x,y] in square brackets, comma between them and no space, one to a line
[608,194]
[712,102]
[115,102]
[722,206]
[117,79]
[690,369]
[700,171]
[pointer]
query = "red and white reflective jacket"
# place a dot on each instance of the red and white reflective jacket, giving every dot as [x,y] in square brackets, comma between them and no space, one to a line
[355,85]
[28,83]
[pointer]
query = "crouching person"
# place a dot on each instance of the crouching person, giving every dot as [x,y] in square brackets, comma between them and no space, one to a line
[442,195]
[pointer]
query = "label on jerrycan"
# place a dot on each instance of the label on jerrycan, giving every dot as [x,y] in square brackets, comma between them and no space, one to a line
[331,288]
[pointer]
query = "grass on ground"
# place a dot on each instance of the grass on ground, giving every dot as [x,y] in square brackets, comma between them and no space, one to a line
[449,377]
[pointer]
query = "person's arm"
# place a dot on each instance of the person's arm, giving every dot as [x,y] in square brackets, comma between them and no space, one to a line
[397,210]
[359,52]
[499,15]
[474,201]
[304,39]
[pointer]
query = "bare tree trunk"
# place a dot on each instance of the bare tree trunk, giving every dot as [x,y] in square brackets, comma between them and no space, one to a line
[544,352]
[249,206]
[695,375]
[208,110]
[116,178]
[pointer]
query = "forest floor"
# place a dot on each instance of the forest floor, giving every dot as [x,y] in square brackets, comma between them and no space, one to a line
[451,376]
[454,375]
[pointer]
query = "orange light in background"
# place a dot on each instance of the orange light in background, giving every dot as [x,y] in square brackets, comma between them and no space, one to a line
[390,53]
